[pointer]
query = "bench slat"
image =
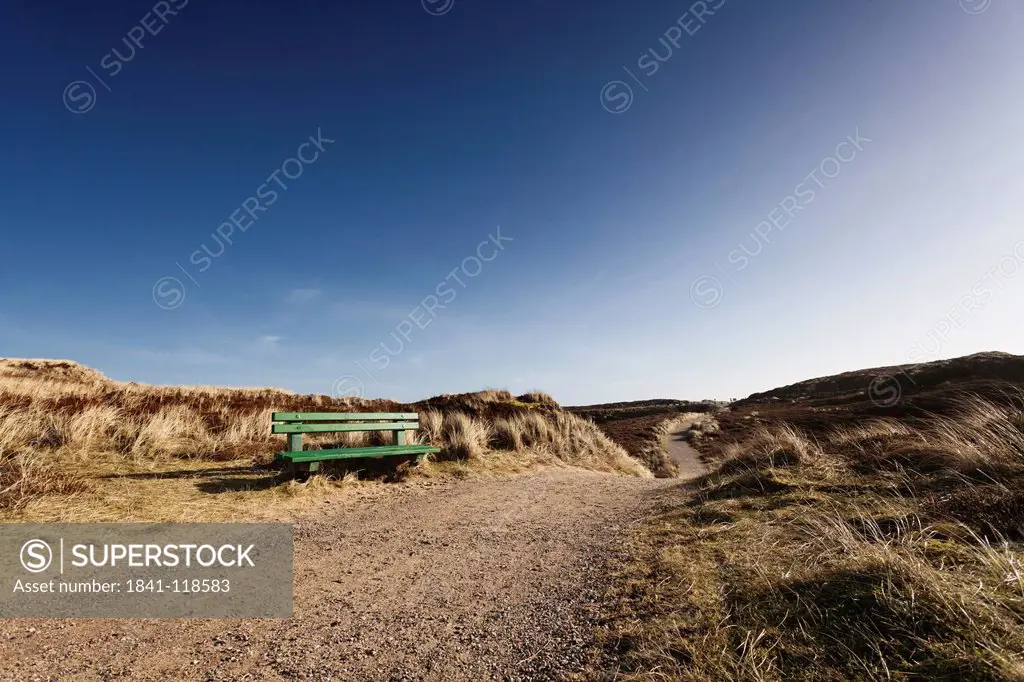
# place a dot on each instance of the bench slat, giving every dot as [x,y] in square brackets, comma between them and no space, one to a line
[340,416]
[338,428]
[352,453]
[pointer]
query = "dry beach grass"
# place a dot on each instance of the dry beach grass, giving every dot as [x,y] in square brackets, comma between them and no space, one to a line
[881,548]
[458,571]
[641,427]
[75,446]
[832,538]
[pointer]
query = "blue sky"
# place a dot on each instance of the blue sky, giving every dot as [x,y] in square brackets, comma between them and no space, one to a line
[627,191]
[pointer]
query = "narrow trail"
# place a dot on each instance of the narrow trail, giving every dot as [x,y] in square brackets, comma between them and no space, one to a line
[458,580]
[684,456]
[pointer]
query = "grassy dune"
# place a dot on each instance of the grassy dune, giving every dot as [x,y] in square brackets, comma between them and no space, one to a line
[641,426]
[881,548]
[76,446]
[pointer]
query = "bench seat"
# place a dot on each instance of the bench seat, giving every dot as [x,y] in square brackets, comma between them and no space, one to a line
[298,460]
[352,453]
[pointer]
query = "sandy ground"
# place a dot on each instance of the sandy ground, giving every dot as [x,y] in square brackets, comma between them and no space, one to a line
[684,456]
[458,580]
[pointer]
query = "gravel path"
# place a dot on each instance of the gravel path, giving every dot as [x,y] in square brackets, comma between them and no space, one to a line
[464,580]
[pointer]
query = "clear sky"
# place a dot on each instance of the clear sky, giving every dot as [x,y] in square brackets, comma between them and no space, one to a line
[604,200]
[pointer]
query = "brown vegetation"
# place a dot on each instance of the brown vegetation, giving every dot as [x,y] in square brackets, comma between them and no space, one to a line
[918,388]
[76,446]
[538,398]
[834,544]
[640,427]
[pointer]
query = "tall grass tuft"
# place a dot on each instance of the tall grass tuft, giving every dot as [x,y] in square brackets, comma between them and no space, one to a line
[463,437]
[880,549]
[59,420]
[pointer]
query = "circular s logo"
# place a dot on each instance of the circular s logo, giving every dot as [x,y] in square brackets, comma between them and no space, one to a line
[885,391]
[347,386]
[168,293]
[36,556]
[975,6]
[706,291]
[79,97]
[616,97]
[437,7]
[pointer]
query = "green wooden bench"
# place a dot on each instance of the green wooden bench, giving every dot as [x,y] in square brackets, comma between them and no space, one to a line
[294,424]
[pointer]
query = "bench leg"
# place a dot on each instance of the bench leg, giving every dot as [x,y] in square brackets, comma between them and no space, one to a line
[294,442]
[299,471]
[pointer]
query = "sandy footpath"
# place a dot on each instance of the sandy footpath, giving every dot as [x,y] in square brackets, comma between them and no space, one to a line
[458,580]
[684,456]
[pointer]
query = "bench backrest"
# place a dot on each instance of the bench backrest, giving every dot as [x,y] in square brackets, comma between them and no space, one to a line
[335,422]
